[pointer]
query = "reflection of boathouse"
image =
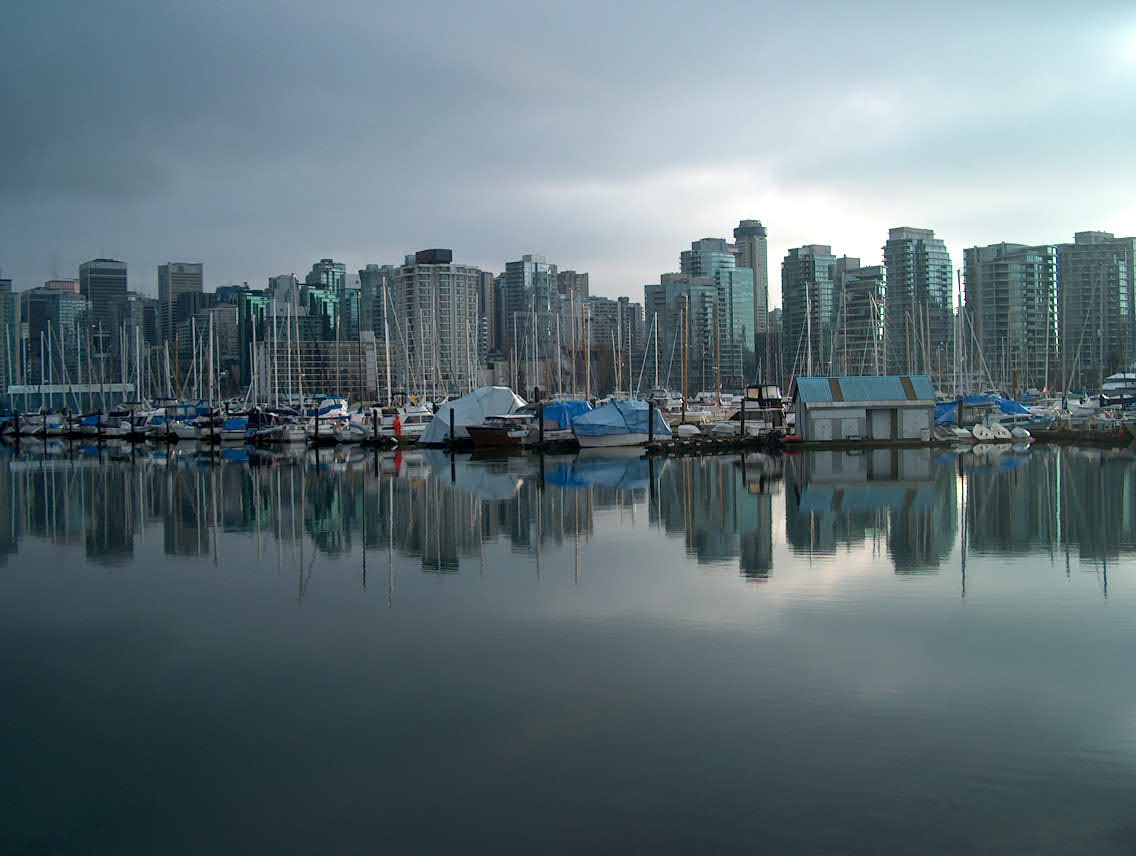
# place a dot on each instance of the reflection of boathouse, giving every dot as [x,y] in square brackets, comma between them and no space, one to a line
[839,498]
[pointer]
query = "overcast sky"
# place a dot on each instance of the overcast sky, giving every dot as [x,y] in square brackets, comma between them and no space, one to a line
[259,136]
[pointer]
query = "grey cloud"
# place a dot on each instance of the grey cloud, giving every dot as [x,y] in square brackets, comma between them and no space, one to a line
[257,136]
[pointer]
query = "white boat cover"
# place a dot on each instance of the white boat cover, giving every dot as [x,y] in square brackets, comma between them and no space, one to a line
[470,409]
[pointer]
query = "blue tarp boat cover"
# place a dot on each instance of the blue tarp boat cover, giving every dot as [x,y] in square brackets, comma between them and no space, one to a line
[561,413]
[615,473]
[619,417]
[235,423]
[947,412]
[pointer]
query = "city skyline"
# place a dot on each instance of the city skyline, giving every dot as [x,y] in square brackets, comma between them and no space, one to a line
[203,144]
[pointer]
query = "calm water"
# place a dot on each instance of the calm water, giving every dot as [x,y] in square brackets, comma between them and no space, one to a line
[356,653]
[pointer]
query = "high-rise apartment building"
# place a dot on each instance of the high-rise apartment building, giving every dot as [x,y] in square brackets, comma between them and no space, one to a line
[375,282]
[436,343]
[176,278]
[751,245]
[142,314]
[569,282]
[1096,308]
[487,312]
[714,298]
[808,310]
[329,274]
[615,331]
[680,312]
[919,310]
[859,323]
[9,336]
[706,256]
[731,347]
[1011,330]
[531,297]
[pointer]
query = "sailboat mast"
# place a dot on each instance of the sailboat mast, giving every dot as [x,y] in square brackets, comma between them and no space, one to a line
[655,334]
[386,344]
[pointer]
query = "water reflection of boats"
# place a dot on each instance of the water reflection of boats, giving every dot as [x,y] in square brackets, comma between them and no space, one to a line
[618,472]
[488,479]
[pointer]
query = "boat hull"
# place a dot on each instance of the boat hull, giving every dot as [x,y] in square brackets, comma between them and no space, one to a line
[605,441]
[484,437]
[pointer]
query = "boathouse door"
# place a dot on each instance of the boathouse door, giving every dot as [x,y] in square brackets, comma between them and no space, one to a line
[881,423]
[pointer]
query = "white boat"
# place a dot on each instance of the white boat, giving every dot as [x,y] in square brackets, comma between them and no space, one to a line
[186,431]
[1020,434]
[1000,432]
[413,420]
[982,434]
[288,432]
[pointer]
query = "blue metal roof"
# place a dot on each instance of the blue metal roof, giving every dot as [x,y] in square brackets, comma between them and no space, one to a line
[812,390]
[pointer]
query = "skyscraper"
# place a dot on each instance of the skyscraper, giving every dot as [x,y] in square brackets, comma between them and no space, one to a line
[176,278]
[919,306]
[1096,307]
[569,282]
[531,298]
[750,241]
[705,256]
[328,274]
[1011,316]
[103,283]
[808,310]
[858,326]
[681,312]
[374,299]
[436,346]
[9,322]
[731,343]
[715,300]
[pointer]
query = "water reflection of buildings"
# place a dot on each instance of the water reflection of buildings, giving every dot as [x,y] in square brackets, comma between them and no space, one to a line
[898,497]
[443,511]
[723,507]
[1052,500]
[1098,502]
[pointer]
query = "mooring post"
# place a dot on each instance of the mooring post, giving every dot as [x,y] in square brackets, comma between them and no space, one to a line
[451,426]
[650,422]
[743,431]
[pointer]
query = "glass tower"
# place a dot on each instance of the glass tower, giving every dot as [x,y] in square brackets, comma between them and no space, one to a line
[919,305]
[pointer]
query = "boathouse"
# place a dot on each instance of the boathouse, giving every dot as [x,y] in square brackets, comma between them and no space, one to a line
[872,407]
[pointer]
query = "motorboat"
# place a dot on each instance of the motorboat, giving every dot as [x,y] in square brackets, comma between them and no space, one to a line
[501,431]
[413,420]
